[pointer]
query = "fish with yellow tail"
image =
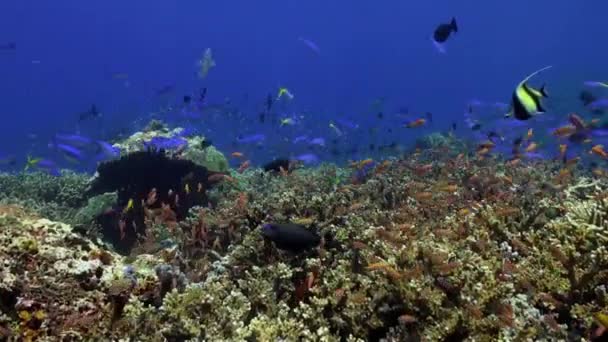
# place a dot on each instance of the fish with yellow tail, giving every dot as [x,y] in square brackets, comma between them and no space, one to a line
[526,100]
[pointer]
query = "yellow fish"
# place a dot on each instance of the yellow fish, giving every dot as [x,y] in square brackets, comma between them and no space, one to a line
[187,188]
[129,206]
[284,92]
[526,101]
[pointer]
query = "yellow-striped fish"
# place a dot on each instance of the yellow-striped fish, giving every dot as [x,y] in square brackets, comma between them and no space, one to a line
[526,101]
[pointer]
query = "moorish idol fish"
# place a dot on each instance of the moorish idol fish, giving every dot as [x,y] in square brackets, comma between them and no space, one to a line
[526,101]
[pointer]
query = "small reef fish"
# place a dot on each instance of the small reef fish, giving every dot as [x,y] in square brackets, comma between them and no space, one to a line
[564,131]
[531,147]
[442,33]
[284,92]
[526,100]
[416,123]
[253,138]
[290,236]
[598,105]
[596,84]
[311,45]
[335,129]
[237,154]
[244,166]
[205,63]
[129,206]
[92,113]
[599,150]
[308,158]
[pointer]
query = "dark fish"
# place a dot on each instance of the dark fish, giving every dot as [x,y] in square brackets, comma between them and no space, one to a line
[92,113]
[372,147]
[202,95]
[9,46]
[167,89]
[476,126]
[493,135]
[290,236]
[443,31]
[453,126]
[206,143]
[587,97]
[187,99]
[269,102]
[380,115]
[277,164]
[262,117]
[518,141]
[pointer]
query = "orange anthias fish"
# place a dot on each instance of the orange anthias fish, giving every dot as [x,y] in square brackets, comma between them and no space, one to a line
[577,121]
[531,148]
[562,150]
[237,154]
[415,123]
[486,144]
[599,150]
[530,134]
[244,166]
[564,131]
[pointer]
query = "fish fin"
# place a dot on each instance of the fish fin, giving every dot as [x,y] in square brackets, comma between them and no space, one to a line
[454,25]
[535,73]
[540,108]
[543,91]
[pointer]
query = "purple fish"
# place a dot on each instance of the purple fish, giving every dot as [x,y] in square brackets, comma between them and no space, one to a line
[317,141]
[166,143]
[595,84]
[300,139]
[347,123]
[73,140]
[107,151]
[308,158]
[249,139]
[311,45]
[599,104]
[71,153]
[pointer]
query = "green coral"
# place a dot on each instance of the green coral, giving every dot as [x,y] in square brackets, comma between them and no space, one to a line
[57,198]
[96,205]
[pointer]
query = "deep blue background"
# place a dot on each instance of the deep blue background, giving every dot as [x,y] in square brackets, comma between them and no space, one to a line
[368,49]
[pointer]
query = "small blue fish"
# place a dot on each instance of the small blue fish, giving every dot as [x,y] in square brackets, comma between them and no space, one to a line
[249,139]
[317,142]
[300,138]
[311,45]
[72,154]
[166,143]
[598,104]
[74,140]
[107,151]
[308,158]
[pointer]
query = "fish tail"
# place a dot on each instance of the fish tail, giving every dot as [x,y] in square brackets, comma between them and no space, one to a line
[454,25]
[543,91]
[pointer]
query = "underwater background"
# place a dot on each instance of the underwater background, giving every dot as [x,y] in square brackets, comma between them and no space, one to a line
[70,54]
[303,171]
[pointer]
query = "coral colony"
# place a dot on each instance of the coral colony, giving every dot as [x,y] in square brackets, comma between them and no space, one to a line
[439,245]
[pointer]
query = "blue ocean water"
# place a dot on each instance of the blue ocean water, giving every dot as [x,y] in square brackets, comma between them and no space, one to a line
[372,57]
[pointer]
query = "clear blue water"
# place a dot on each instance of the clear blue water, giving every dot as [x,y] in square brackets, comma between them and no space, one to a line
[68,54]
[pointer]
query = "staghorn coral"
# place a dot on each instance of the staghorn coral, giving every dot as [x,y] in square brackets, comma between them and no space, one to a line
[57,198]
[437,246]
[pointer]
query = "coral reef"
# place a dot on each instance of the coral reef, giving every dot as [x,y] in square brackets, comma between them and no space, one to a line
[56,198]
[438,246]
[195,147]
